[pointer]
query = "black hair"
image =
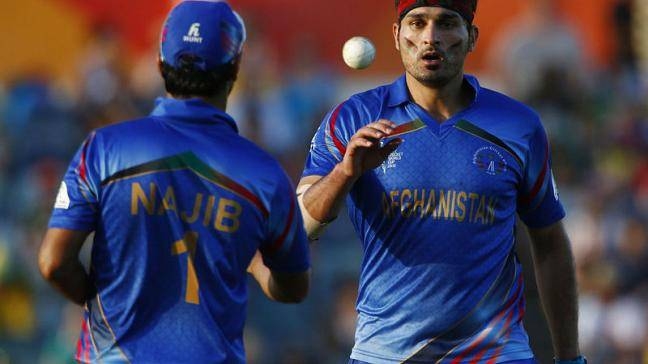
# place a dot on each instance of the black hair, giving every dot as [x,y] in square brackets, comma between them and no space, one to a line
[187,80]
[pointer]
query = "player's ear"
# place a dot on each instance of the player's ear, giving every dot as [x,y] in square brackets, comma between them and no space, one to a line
[473,34]
[236,65]
[159,63]
[395,31]
[233,71]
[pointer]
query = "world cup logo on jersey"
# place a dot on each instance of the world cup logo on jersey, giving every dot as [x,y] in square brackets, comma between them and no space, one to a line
[490,160]
[390,162]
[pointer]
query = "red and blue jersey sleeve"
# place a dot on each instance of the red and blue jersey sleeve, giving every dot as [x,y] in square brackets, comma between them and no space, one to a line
[77,202]
[329,143]
[538,202]
[287,247]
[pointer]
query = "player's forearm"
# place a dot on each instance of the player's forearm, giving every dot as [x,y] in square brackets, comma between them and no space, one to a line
[555,276]
[58,261]
[559,299]
[281,287]
[324,199]
[71,280]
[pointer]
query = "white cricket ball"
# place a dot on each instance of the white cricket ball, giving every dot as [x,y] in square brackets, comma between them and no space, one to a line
[358,52]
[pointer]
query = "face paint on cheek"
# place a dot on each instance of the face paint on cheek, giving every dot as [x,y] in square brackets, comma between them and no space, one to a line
[408,46]
[458,47]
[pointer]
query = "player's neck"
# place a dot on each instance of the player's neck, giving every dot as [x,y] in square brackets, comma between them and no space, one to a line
[218,101]
[440,102]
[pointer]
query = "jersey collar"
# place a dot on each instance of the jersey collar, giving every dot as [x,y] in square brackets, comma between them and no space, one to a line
[398,93]
[191,110]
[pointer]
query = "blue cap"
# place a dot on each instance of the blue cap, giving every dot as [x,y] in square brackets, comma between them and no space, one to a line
[206,29]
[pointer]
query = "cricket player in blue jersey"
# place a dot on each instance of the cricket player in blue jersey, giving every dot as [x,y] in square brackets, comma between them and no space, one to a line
[434,169]
[180,206]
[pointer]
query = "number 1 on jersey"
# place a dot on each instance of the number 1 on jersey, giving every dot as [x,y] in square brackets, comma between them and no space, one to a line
[188,245]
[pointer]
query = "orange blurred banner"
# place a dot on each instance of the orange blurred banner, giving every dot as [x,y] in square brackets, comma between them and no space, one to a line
[288,26]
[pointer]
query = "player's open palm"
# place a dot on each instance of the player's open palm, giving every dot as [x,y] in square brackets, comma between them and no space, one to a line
[364,151]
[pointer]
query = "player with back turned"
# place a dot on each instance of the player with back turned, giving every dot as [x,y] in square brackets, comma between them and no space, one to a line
[179,204]
[434,169]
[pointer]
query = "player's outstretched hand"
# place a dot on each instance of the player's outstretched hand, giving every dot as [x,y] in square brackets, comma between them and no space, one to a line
[364,151]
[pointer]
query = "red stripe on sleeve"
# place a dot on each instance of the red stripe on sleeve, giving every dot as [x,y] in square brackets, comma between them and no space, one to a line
[83,172]
[82,162]
[336,141]
[526,199]
[279,242]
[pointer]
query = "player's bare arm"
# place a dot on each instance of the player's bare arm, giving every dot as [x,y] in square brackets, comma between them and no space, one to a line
[321,197]
[58,260]
[279,286]
[554,268]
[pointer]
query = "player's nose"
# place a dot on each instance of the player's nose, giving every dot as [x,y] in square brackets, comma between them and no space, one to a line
[431,35]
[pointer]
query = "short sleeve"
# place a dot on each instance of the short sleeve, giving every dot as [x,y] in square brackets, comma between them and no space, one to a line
[538,202]
[328,146]
[77,203]
[286,249]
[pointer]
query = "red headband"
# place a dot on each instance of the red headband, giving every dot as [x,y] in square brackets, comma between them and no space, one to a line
[463,7]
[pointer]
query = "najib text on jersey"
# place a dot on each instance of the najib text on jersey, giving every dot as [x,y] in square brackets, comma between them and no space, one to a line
[226,218]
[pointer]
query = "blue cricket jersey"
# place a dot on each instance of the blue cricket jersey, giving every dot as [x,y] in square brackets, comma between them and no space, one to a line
[179,203]
[439,280]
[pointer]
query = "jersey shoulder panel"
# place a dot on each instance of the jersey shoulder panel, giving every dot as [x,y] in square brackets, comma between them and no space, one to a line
[125,129]
[367,105]
[261,163]
[509,108]
[507,120]
[112,146]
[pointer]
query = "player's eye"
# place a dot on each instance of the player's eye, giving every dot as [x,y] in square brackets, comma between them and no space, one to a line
[448,23]
[417,23]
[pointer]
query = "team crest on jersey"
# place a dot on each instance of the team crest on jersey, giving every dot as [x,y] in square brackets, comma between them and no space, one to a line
[390,162]
[490,160]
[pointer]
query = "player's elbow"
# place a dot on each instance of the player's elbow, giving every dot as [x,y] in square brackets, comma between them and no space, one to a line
[49,265]
[290,298]
[291,288]
[52,260]
[296,295]
[314,230]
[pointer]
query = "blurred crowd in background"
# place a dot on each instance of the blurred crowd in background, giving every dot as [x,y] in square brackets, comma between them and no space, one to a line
[596,118]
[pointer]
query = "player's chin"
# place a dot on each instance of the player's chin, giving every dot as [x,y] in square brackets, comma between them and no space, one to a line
[427,69]
[432,78]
